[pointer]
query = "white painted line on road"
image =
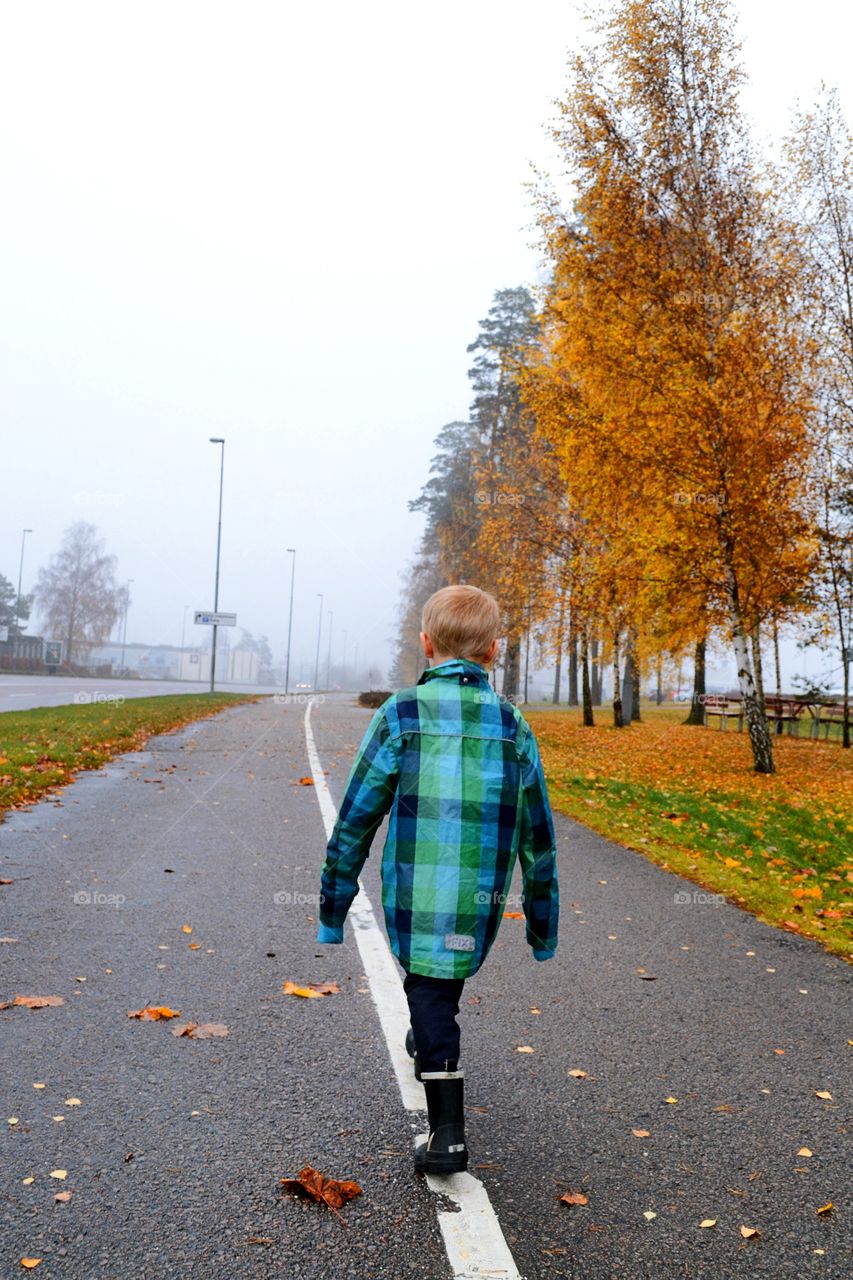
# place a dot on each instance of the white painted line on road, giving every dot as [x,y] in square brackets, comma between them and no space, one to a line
[475,1244]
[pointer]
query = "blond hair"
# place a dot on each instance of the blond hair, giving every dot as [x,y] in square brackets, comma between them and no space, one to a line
[461,621]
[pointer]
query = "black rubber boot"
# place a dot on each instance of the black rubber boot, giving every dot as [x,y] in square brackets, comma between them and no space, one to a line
[445,1150]
[412,1052]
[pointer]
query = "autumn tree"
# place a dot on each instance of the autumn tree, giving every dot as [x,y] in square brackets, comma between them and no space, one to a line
[673,314]
[76,593]
[819,152]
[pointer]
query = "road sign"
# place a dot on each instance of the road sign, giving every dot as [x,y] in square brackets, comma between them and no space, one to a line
[52,652]
[216,619]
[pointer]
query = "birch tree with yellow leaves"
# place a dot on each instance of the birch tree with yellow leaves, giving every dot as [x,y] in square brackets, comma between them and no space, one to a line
[673,318]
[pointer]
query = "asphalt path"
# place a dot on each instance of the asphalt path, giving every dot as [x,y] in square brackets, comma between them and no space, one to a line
[175,1152]
[21,693]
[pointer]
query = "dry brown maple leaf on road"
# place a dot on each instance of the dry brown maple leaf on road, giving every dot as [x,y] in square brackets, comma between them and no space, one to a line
[35,1002]
[153,1013]
[319,1187]
[310,990]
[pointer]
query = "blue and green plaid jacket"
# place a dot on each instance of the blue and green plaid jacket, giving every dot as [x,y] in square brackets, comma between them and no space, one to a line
[458,767]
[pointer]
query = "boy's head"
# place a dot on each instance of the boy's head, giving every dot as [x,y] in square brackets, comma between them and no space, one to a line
[460,622]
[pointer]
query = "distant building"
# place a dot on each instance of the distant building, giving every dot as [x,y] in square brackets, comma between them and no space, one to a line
[169,662]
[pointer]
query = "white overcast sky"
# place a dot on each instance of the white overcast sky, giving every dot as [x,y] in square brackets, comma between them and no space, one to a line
[277,223]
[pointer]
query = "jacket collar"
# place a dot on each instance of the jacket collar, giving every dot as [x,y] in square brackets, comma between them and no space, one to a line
[461,669]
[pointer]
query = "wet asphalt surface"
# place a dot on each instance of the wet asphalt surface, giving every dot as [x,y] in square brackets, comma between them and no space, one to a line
[210,828]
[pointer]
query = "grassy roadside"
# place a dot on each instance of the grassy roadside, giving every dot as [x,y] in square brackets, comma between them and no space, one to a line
[43,748]
[687,798]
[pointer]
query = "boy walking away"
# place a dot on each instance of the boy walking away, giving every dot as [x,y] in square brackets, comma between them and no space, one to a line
[459,770]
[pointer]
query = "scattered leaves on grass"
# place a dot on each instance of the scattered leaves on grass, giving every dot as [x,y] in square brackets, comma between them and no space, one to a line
[200,1030]
[154,1013]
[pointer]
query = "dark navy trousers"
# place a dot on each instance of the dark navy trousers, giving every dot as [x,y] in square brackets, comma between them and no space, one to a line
[433,1006]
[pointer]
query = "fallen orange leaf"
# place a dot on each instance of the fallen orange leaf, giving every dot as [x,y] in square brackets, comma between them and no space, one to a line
[38,1002]
[574,1197]
[325,1190]
[152,1013]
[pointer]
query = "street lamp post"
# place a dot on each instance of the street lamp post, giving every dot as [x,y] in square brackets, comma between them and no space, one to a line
[344,660]
[319,630]
[329,653]
[291,551]
[20,579]
[124,627]
[217,440]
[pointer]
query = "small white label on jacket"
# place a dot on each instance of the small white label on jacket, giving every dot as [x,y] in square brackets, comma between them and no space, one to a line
[459,941]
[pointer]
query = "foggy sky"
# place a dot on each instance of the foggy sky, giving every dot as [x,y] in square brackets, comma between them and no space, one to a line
[280,224]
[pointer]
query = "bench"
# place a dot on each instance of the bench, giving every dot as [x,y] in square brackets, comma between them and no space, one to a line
[715,704]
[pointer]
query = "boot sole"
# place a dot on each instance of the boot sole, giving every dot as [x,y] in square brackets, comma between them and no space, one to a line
[441,1164]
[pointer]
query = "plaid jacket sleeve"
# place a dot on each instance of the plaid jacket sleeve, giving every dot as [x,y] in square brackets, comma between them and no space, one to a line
[368,797]
[537,853]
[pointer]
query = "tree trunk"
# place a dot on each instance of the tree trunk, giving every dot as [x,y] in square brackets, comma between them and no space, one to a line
[618,722]
[659,683]
[527,669]
[573,666]
[627,694]
[635,691]
[596,673]
[759,732]
[776,659]
[511,666]
[845,731]
[588,718]
[697,706]
[558,670]
[757,665]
